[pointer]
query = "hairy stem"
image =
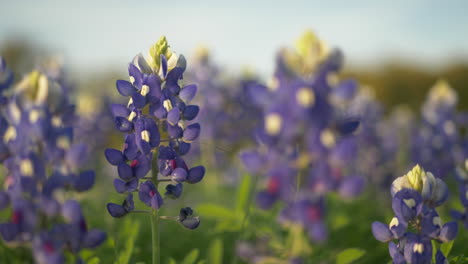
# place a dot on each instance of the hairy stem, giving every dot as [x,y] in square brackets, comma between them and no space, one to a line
[155,236]
[156,250]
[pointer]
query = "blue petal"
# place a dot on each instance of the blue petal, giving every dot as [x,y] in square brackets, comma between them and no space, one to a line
[184,148]
[143,167]
[114,156]
[125,171]
[191,111]
[84,181]
[125,88]
[188,92]
[76,155]
[119,186]
[449,231]
[381,232]
[174,191]
[116,210]
[191,222]
[191,132]
[4,200]
[252,160]
[164,65]
[94,238]
[134,72]
[348,126]
[173,116]
[179,175]
[351,186]
[123,125]
[9,231]
[265,200]
[196,174]
[120,110]
[139,101]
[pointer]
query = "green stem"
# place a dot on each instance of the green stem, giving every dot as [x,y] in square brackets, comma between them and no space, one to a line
[155,236]
[155,214]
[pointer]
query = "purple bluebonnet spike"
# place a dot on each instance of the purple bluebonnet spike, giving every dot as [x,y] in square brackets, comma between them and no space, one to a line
[38,152]
[158,133]
[415,198]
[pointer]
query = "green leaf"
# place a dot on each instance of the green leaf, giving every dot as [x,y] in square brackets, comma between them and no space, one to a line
[243,193]
[215,211]
[94,260]
[446,248]
[191,257]
[434,250]
[128,234]
[215,252]
[172,261]
[349,255]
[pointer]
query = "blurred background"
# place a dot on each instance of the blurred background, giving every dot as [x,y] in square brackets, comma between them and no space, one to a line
[400,48]
[397,48]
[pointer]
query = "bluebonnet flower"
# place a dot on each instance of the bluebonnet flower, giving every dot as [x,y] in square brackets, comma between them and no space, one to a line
[159,130]
[306,142]
[462,179]
[40,158]
[438,136]
[415,198]
[225,106]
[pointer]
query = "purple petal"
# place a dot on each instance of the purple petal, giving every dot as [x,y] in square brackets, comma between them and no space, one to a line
[76,155]
[94,238]
[381,232]
[125,171]
[120,110]
[134,72]
[139,101]
[174,191]
[143,167]
[351,186]
[252,161]
[184,148]
[191,222]
[114,156]
[179,175]
[4,200]
[173,116]
[449,231]
[116,210]
[119,186]
[156,201]
[265,200]
[9,231]
[123,125]
[84,181]
[190,112]
[191,132]
[188,92]
[164,65]
[196,174]
[125,88]
[71,211]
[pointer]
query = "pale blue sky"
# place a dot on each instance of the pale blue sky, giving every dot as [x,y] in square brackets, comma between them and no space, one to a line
[92,33]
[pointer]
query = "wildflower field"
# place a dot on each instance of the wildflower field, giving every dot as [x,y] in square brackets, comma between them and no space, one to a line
[178,160]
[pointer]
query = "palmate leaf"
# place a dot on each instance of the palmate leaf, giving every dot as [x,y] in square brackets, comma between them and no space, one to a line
[349,255]
[215,252]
